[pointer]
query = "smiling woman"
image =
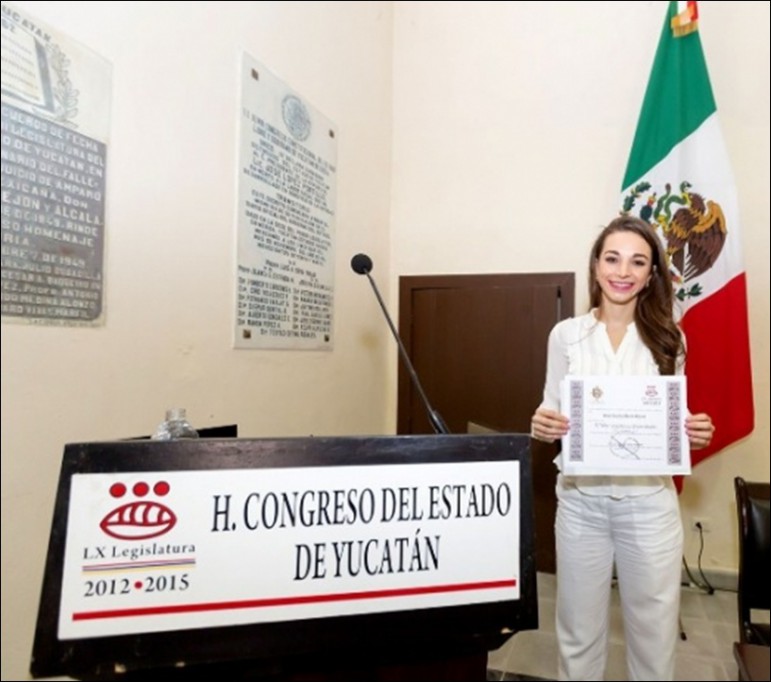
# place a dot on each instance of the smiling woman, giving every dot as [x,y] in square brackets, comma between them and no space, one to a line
[631,521]
[624,267]
[629,281]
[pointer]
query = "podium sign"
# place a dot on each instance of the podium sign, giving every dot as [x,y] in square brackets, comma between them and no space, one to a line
[169,552]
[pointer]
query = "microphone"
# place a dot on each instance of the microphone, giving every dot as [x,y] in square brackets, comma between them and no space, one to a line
[361,264]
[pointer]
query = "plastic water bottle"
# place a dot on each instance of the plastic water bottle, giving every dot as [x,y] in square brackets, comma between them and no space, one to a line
[175,426]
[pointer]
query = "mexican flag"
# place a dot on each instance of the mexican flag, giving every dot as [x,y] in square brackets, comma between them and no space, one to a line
[678,178]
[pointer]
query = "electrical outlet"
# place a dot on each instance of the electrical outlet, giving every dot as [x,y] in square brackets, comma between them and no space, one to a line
[701,523]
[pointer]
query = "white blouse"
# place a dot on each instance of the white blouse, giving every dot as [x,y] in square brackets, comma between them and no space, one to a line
[581,345]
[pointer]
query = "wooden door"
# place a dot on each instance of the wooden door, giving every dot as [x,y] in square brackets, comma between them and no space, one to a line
[478,343]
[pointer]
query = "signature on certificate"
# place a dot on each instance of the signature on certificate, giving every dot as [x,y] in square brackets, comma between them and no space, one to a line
[624,445]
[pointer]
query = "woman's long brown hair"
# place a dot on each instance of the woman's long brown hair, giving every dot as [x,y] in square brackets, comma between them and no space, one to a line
[653,314]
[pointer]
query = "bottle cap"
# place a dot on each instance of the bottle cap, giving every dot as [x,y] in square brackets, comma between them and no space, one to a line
[176,413]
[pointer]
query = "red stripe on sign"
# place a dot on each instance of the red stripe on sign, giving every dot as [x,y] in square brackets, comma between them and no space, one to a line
[291,601]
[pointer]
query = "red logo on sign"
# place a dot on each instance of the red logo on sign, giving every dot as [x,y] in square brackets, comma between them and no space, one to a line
[141,519]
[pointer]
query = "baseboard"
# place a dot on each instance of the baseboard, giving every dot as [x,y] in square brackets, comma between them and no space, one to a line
[719,578]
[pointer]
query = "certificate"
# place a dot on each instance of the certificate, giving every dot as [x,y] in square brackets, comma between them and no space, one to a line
[625,426]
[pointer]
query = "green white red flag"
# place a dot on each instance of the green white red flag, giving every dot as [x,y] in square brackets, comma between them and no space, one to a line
[679,179]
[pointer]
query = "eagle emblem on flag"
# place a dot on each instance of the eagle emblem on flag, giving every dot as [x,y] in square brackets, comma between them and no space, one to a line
[692,229]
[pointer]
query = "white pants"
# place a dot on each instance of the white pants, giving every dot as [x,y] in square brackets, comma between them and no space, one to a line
[644,535]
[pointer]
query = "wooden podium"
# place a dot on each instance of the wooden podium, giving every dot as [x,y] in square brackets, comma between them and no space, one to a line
[380,558]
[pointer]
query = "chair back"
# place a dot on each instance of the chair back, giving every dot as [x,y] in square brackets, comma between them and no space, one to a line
[752,504]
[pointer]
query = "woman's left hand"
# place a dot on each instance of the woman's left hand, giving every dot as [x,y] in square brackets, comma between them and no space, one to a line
[699,428]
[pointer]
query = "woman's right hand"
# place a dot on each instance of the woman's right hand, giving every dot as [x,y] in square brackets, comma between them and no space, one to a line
[548,425]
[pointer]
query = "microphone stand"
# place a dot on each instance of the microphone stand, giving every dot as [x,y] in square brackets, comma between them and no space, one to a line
[437,423]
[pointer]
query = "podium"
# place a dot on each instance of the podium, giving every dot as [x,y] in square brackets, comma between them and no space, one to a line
[383,558]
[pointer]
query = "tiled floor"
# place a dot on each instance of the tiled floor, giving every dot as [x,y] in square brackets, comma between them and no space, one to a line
[709,621]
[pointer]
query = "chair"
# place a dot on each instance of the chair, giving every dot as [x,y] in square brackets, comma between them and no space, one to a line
[752,505]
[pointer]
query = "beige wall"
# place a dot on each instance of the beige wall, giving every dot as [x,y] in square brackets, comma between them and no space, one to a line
[170,256]
[509,126]
[512,127]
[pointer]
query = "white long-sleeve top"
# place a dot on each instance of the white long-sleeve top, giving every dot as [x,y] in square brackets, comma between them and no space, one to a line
[581,345]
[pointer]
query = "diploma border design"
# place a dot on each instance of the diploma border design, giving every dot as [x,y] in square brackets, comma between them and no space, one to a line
[576,453]
[674,421]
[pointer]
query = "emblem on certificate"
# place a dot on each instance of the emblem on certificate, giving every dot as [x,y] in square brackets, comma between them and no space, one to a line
[625,426]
